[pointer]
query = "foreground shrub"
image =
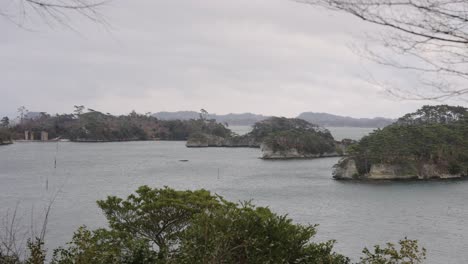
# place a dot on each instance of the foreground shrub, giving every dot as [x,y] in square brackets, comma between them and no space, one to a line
[168,226]
[165,226]
[407,253]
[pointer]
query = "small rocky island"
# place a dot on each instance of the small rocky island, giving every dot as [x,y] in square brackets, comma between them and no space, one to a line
[431,143]
[279,138]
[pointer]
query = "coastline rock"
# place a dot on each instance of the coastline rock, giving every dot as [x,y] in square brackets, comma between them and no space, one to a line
[346,169]
[389,172]
[202,140]
[430,171]
[431,143]
[279,138]
[292,153]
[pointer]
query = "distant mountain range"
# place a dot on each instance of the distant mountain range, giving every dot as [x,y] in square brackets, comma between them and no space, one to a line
[248,119]
[329,120]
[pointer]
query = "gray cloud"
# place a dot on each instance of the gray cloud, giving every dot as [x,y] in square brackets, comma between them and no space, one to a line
[265,56]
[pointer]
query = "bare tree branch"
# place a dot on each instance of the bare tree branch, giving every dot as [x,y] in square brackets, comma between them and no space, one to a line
[427,37]
[51,11]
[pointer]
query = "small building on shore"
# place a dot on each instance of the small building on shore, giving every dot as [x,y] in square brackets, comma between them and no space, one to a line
[44,136]
[31,135]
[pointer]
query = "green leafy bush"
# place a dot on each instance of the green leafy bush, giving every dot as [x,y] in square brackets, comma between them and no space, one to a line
[168,226]
[165,226]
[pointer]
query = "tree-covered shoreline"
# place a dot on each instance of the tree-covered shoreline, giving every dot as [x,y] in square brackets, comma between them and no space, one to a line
[279,138]
[429,143]
[95,126]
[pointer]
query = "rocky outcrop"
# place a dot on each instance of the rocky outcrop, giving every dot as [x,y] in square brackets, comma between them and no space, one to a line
[205,140]
[261,130]
[430,171]
[431,143]
[389,172]
[346,169]
[279,138]
[292,153]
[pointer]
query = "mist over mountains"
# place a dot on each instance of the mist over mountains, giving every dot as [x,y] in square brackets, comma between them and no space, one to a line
[248,119]
[330,120]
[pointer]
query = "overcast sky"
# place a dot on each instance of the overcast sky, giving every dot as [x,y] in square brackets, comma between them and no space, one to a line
[275,57]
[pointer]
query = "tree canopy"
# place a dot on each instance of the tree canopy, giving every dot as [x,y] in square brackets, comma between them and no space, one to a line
[168,226]
[436,135]
[97,126]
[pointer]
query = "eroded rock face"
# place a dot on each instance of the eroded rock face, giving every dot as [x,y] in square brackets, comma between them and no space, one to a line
[388,172]
[430,171]
[292,153]
[205,140]
[346,169]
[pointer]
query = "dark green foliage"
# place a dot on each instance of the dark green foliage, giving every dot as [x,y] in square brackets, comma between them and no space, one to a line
[248,234]
[168,226]
[264,128]
[435,135]
[37,253]
[182,130]
[165,226]
[97,126]
[5,122]
[106,247]
[6,258]
[407,253]
[282,134]
[305,142]
[439,114]
[158,215]
[5,135]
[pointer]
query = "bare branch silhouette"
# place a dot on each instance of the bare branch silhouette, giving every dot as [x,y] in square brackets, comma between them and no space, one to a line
[52,11]
[426,37]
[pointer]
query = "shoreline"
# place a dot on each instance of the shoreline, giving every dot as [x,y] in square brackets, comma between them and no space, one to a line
[302,158]
[412,179]
[90,141]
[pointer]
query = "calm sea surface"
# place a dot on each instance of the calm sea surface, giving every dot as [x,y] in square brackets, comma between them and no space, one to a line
[356,214]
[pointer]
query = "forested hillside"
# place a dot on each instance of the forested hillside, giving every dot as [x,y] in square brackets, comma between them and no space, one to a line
[97,126]
[432,142]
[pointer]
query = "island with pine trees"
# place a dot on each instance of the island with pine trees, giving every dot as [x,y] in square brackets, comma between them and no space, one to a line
[279,138]
[431,143]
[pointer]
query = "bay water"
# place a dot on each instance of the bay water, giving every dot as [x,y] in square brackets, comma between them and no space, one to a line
[356,214]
